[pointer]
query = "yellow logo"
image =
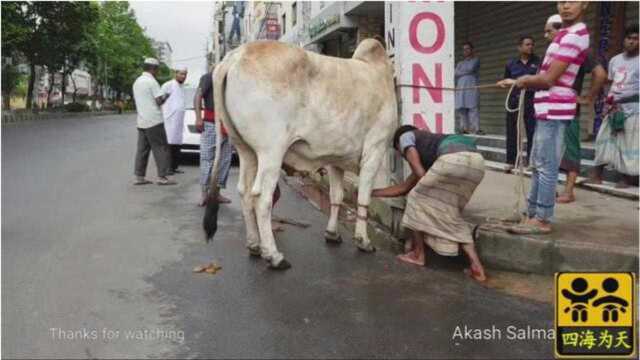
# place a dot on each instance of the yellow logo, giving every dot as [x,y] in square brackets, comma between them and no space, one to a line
[595,315]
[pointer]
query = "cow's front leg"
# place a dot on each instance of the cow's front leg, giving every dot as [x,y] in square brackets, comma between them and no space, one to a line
[368,169]
[336,194]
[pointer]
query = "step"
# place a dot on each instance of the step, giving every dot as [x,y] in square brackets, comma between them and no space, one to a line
[499,141]
[498,154]
[607,187]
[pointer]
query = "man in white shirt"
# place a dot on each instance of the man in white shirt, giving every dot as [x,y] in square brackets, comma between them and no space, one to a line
[173,111]
[151,133]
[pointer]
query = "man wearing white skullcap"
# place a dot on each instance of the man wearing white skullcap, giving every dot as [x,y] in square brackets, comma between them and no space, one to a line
[173,111]
[151,133]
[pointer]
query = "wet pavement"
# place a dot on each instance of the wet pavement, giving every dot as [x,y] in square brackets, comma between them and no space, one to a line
[84,249]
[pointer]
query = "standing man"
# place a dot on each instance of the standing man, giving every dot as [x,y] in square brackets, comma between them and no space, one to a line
[467,100]
[208,140]
[173,111]
[617,141]
[527,63]
[555,105]
[572,155]
[151,134]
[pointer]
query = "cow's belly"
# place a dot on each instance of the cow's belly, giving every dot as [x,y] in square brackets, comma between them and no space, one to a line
[302,157]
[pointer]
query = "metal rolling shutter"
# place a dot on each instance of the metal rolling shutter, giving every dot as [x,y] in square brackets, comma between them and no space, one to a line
[494,29]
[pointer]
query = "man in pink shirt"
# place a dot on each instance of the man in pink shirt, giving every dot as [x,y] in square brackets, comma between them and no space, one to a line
[555,106]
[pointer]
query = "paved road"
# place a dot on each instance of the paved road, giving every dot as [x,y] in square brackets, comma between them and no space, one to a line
[83,250]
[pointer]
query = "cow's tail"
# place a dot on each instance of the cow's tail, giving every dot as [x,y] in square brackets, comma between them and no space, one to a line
[210,220]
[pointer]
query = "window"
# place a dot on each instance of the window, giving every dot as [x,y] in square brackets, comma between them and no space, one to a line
[294,14]
[284,24]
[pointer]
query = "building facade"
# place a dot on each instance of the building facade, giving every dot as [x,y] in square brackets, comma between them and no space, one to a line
[164,52]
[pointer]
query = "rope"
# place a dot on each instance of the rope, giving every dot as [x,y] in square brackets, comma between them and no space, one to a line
[485,86]
[519,189]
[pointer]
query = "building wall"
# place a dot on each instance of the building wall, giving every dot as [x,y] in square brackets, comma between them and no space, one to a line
[495,43]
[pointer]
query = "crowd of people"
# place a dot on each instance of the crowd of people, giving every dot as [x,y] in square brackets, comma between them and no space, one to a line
[615,147]
[447,168]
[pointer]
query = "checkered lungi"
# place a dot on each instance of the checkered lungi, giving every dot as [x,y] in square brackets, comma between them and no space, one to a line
[435,204]
[207,154]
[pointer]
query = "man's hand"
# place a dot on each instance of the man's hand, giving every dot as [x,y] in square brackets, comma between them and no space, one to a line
[585,100]
[506,83]
[520,83]
[199,125]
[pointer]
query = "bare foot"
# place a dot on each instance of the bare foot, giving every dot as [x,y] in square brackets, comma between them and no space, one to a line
[565,198]
[476,274]
[203,199]
[411,258]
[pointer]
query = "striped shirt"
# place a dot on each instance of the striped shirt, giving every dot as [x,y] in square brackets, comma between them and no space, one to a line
[559,102]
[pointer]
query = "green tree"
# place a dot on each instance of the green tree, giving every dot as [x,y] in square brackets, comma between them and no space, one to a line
[10,80]
[122,47]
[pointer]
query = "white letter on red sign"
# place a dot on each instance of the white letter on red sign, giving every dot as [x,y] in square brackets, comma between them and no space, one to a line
[413,32]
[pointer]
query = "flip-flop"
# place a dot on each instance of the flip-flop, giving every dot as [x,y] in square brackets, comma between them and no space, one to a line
[564,199]
[526,229]
[166,182]
[142,182]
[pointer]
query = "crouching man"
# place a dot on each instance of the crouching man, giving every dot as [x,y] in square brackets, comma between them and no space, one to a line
[445,171]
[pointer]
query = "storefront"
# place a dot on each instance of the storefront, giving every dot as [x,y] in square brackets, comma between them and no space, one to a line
[494,30]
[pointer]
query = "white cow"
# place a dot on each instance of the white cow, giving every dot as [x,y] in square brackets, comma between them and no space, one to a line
[280,103]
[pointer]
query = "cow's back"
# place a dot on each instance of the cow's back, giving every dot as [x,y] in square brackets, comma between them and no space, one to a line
[327,103]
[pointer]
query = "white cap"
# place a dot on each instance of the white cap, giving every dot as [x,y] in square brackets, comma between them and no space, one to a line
[181,68]
[554,19]
[151,61]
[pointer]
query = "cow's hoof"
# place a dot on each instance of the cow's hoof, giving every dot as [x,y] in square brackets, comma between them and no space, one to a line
[255,251]
[365,248]
[282,265]
[332,237]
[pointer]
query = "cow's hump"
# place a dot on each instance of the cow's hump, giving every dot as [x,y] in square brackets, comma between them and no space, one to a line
[371,51]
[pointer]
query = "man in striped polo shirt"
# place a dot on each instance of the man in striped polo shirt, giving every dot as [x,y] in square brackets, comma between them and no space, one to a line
[555,106]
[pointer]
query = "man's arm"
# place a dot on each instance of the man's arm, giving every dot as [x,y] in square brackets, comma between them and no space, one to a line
[197,105]
[598,79]
[398,189]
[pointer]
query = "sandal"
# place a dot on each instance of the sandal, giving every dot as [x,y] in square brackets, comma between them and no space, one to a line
[165,181]
[565,199]
[142,182]
[526,229]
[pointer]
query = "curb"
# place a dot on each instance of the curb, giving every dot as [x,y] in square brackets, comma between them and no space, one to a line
[542,255]
[498,249]
[27,116]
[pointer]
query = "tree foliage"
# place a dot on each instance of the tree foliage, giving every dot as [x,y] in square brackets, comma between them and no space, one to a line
[61,36]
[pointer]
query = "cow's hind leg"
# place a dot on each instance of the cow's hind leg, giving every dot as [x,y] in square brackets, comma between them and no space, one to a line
[336,194]
[265,184]
[248,169]
[368,169]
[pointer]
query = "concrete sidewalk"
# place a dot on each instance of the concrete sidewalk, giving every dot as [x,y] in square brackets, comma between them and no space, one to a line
[598,232]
